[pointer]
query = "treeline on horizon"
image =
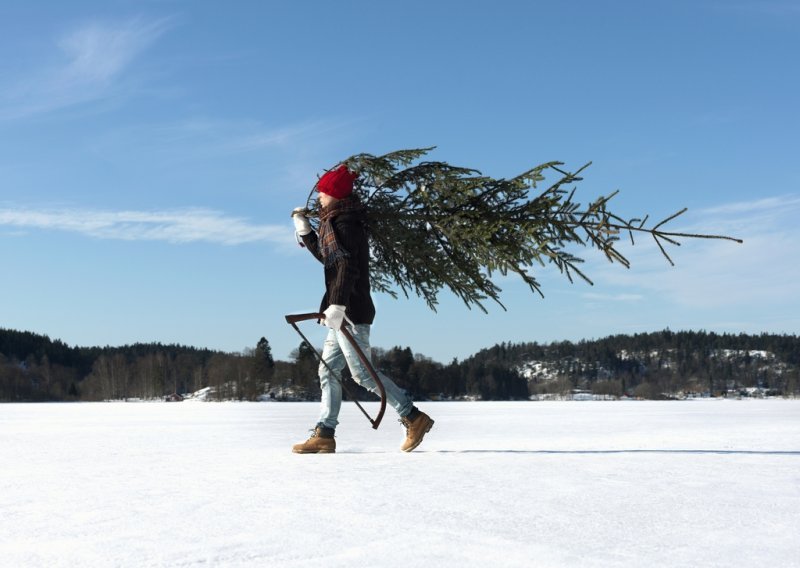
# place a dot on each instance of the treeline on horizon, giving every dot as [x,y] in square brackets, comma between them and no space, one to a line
[34,368]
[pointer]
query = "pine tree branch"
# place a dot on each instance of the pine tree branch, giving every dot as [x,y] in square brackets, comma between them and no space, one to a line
[434,226]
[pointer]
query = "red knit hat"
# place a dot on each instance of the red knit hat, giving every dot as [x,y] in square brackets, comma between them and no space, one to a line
[337,183]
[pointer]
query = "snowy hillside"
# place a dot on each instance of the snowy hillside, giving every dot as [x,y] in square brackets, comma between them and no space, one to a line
[544,370]
[667,373]
[692,483]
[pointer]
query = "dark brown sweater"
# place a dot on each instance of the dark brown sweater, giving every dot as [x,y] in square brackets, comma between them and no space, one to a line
[347,279]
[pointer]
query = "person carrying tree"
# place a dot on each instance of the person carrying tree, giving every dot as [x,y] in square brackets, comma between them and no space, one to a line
[342,246]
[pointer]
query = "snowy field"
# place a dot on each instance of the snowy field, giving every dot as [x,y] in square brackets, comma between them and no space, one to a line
[693,483]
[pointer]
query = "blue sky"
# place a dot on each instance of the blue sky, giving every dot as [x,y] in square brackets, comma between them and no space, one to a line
[151,152]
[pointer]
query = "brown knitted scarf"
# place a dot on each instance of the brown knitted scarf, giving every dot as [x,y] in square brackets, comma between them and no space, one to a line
[330,248]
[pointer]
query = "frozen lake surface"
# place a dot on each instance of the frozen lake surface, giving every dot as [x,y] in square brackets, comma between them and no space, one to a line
[692,483]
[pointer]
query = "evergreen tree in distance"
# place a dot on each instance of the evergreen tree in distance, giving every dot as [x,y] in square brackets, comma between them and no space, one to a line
[263,365]
[434,225]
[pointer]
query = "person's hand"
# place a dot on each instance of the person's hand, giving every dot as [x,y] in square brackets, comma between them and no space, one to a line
[301,225]
[335,316]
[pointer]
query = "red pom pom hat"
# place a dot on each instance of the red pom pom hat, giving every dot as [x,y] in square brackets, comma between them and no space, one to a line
[337,182]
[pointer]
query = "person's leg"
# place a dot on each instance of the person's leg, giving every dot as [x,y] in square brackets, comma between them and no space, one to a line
[396,397]
[416,422]
[330,373]
[321,440]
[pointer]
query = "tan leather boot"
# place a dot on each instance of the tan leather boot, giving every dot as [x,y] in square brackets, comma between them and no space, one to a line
[320,442]
[417,424]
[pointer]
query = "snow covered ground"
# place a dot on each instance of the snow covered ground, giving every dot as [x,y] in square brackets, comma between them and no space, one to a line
[692,483]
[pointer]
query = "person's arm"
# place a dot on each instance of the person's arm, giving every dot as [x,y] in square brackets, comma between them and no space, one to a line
[311,242]
[303,229]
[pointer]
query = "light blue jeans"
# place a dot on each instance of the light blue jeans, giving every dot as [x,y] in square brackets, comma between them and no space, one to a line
[337,352]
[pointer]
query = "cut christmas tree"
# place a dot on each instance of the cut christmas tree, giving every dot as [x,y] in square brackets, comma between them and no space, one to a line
[433,225]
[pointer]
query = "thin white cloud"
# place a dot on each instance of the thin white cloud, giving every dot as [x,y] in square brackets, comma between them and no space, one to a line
[287,156]
[175,226]
[713,273]
[776,205]
[98,52]
[593,296]
[232,136]
[89,63]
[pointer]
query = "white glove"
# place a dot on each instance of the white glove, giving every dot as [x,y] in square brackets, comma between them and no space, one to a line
[334,317]
[301,224]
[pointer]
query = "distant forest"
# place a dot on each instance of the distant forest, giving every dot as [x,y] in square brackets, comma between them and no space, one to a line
[665,364]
